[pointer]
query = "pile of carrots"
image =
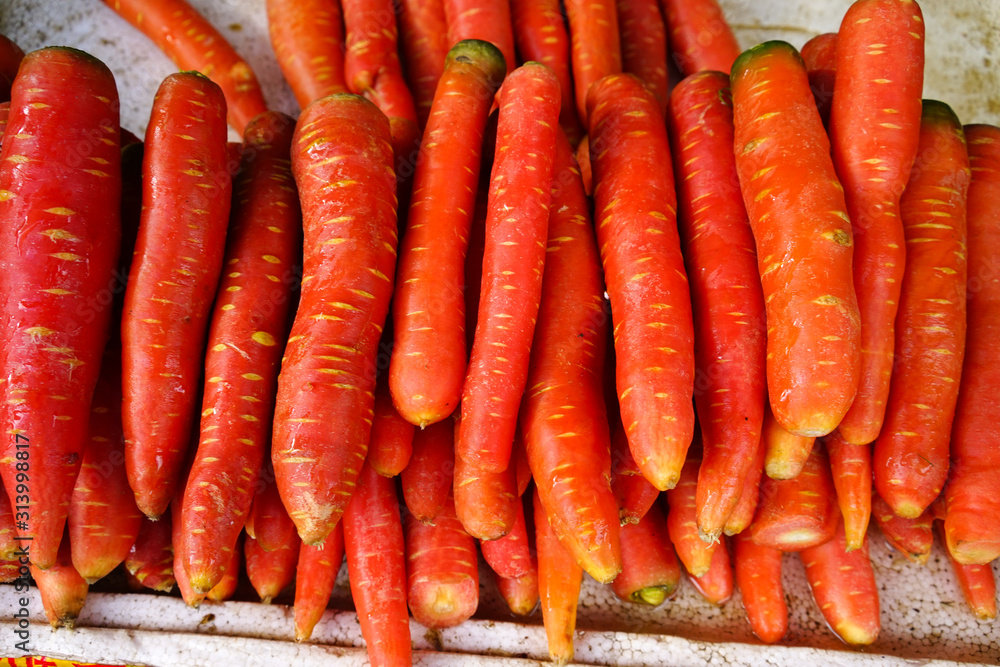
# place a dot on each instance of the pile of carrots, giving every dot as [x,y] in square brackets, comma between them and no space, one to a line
[510,295]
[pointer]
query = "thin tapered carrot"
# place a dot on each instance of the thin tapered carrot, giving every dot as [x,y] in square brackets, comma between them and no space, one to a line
[308,41]
[342,163]
[268,521]
[520,594]
[820,57]
[193,43]
[879,80]
[516,232]
[912,451]
[645,275]
[59,245]
[650,570]
[510,556]
[151,559]
[633,492]
[374,545]
[784,452]
[851,467]
[978,584]
[972,526]
[62,588]
[727,299]
[11,56]
[644,45]
[745,509]
[844,588]
[596,47]
[758,577]
[424,33]
[694,552]
[804,247]
[911,537]
[700,37]
[559,579]
[392,436]
[271,572]
[716,585]
[315,575]
[428,477]
[428,361]
[487,20]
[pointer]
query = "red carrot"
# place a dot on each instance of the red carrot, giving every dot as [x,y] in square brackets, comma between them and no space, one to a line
[4,116]
[559,579]
[308,39]
[978,584]
[516,226]
[912,450]
[694,552]
[727,300]
[11,56]
[844,588]
[488,20]
[650,571]
[851,467]
[392,437]
[596,47]
[442,570]
[342,163]
[644,271]
[10,571]
[804,245]
[880,73]
[151,558]
[520,594]
[486,502]
[62,588]
[271,572]
[634,493]
[972,526]
[519,461]
[644,45]
[785,453]
[59,242]
[911,537]
[747,506]
[178,539]
[315,576]
[716,585]
[428,362]
[268,522]
[427,479]
[424,32]
[193,43]
[510,556]
[583,159]
[758,576]
[700,36]
[8,533]
[373,542]
[226,588]
[820,57]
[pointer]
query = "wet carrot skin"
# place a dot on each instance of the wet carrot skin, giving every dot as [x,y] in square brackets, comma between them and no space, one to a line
[820,57]
[427,479]
[11,56]
[804,248]
[424,32]
[342,164]
[912,452]
[428,363]
[595,48]
[879,80]
[650,570]
[315,576]
[785,453]
[758,577]
[911,537]
[645,275]
[59,244]
[972,526]
[644,45]
[851,467]
[487,20]
[559,579]
[727,299]
[689,23]
[308,40]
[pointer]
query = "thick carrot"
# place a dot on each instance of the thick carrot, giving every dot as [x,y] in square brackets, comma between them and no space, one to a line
[486,20]
[851,467]
[727,300]
[428,361]
[784,452]
[596,47]
[745,509]
[978,584]
[694,552]
[62,588]
[510,556]
[716,585]
[11,56]
[486,502]
[172,281]
[804,248]
[644,45]
[880,73]
[912,451]
[700,36]
[373,542]
[428,477]
[540,35]
[267,521]
[972,526]
[315,575]
[844,588]
[633,492]
[520,594]
[820,57]
[559,579]
[193,43]
[442,570]
[911,537]
[392,437]
[424,32]
[59,242]
[342,163]
[650,571]
[758,576]
[308,41]
[8,533]
[271,572]
[151,558]
[249,322]
[644,271]
[516,231]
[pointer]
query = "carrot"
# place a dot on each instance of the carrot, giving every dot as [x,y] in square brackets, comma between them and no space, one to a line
[820,57]
[745,509]
[59,242]
[644,45]
[485,502]
[342,163]
[179,537]
[486,20]
[911,537]
[11,56]
[477,237]
[521,593]
[972,528]
[559,579]
[758,576]
[151,558]
[716,585]
[596,47]
[428,361]
[695,552]
[271,572]
[10,571]
[540,34]
[62,588]
[844,588]
[424,31]
[267,521]
[880,72]
[8,533]
[633,492]
[516,227]
[519,461]
[912,450]
[4,115]
[172,281]
[727,300]
[226,588]
[510,556]
[978,584]
[700,37]
[645,276]
[427,479]
[583,159]
[785,453]
[308,40]
[650,571]
[851,467]
[373,542]
[391,446]
[441,569]
[193,43]
[804,247]
[315,575]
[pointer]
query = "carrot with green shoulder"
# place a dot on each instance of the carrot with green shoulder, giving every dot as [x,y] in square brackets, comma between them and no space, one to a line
[650,570]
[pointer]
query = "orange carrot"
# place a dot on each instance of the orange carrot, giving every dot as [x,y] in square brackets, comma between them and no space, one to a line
[820,57]
[308,40]
[644,45]
[520,594]
[151,558]
[911,537]
[758,576]
[745,509]
[851,467]
[694,552]
[700,36]
[978,584]
[428,477]
[315,576]
[634,493]
[785,453]
[486,502]
[391,445]
[487,20]
[716,585]
[62,588]
[559,579]
[8,533]
[271,572]
[510,556]
[596,47]
[424,33]
[268,522]
[650,571]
